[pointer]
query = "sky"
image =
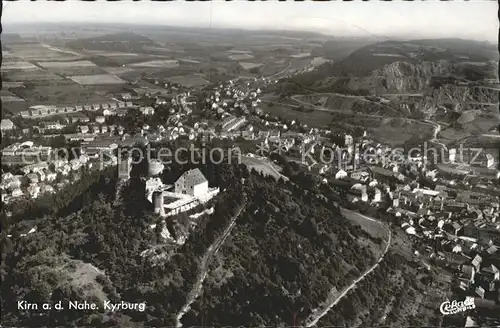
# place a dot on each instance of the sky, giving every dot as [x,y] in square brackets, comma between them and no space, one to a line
[476,19]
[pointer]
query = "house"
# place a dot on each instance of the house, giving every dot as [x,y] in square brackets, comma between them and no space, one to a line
[16,193]
[6,125]
[100,119]
[47,189]
[41,175]
[468,273]
[34,191]
[491,272]
[84,128]
[50,176]
[192,182]
[484,235]
[382,174]
[147,110]
[480,291]
[32,178]
[476,262]
[489,161]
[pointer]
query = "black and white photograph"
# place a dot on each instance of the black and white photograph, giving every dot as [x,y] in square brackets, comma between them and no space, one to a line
[285,164]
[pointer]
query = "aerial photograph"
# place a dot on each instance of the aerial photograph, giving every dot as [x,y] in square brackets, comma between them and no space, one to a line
[250,164]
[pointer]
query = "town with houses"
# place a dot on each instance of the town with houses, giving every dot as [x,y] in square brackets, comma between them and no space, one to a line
[451,211]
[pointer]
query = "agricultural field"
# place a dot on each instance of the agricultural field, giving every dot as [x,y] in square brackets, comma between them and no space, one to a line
[65,64]
[8,85]
[34,76]
[78,71]
[166,63]
[189,61]
[18,65]
[247,65]
[301,55]
[39,52]
[398,131]
[118,70]
[193,80]
[97,79]
[319,119]
[7,96]
[61,94]
[235,51]
[240,57]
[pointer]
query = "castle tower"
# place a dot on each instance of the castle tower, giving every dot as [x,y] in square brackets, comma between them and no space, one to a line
[124,168]
[158,202]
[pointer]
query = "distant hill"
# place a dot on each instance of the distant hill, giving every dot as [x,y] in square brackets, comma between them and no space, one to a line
[373,56]
[123,42]
[442,72]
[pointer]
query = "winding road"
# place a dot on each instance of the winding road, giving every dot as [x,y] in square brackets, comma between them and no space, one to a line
[320,312]
[205,262]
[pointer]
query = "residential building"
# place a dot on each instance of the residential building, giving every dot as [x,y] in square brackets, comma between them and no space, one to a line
[7,125]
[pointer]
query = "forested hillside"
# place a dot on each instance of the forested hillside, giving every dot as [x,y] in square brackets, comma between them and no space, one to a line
[286,242]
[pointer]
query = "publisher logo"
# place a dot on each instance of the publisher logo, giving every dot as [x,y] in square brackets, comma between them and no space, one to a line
[457,306]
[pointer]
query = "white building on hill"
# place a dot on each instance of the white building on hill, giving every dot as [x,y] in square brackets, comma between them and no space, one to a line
[192,183]
[190,190]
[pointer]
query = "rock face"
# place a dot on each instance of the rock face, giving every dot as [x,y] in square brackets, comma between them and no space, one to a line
[419,77]
[404,77]
[423,88]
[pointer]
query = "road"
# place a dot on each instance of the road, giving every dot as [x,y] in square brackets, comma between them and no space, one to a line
[280,72]
[491,135]
[205,262]
[437,129]
[319,313]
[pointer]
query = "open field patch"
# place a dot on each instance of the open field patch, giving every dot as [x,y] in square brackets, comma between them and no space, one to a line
[190,61]
[318,61]
[112,53]
[166,63]
[97,79]
[247,65]
[32,76]
[8,85]
[65,64]
[78,71]
[118,70]
[10,98]
[192,80]
[39,52]
[312,119]
[397,132]
[240,57]
[265,166]
[235,51]
[60,94]
[19,65]
[301,55]
[373,228]
[388,55]
[61,50]
[159,49]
